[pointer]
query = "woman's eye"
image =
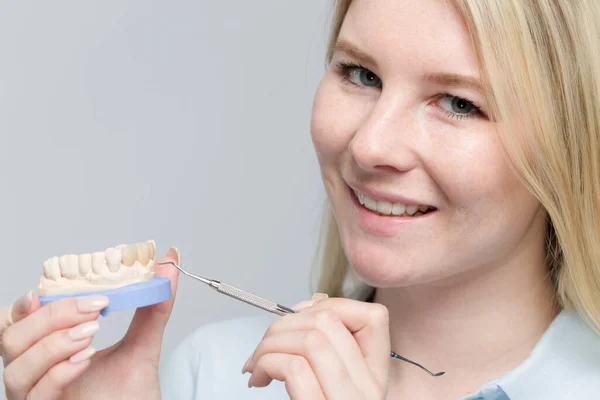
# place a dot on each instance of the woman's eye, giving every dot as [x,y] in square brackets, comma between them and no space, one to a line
[360,76]
[364,77]
[454,106]
[457,107]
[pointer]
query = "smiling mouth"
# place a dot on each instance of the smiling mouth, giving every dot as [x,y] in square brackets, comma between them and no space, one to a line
[388,209]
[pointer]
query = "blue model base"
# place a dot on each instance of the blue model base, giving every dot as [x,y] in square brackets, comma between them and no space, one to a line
[127,297]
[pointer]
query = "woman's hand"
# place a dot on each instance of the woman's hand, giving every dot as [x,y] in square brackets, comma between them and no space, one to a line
[335,349]
[46,350]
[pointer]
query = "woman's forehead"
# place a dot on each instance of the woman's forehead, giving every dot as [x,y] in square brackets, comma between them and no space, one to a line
[423,34]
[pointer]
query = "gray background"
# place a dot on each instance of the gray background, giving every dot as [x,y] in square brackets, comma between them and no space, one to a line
[182,121]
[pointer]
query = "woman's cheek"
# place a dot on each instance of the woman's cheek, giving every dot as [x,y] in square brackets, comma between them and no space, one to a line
[466,163]
[336,117]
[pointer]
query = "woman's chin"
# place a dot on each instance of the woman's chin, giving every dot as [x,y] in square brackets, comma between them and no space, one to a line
[383,272]
[383,278]
[386,265]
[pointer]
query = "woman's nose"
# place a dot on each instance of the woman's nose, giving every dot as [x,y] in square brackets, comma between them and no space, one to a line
[387,137]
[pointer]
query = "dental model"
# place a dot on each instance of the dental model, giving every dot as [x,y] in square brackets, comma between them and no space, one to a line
[113,268]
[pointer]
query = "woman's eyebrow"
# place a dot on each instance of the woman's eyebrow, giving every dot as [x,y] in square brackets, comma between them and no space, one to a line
[454,80]
[344,46]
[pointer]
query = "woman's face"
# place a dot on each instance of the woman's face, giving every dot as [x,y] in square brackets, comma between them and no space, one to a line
[412,164]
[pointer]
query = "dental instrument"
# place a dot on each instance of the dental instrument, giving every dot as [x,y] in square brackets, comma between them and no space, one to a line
[267,305]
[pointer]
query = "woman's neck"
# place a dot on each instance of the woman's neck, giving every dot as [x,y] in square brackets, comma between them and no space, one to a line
[476,327]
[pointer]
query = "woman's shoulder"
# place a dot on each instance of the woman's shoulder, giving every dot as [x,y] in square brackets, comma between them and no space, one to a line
[208,363]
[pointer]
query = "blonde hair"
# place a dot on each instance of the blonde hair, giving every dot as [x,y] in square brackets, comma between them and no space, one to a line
[543,56]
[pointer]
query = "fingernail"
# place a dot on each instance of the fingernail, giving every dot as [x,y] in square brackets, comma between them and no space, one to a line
[245,369]
[250,385]
[22,305]
[91,303]
[82,355]
[84,330]
[302,305]
[174,252]
[319,296]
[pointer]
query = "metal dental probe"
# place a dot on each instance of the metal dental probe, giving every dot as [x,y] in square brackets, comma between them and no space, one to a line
[267,305]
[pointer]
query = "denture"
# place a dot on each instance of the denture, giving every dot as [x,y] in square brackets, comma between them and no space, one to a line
[112,268]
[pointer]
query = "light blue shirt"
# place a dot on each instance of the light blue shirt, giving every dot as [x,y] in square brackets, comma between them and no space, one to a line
[564,365]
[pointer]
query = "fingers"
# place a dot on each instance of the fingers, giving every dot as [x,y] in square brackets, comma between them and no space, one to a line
[147,327]
[328,324]
[172,273]
[309,303]
[24,372]
[344,342]
[369,324]
[300,381]
[55,381]
[317,350]
[43,363]
[62,314]
[16,311]
[26,305]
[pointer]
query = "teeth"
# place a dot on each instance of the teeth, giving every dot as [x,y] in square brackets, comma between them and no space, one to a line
[143,253]
[98,262]
[384,207]
[85,264]
[69,267]
[398,209]
[52,269]
[411,209]
[152,249]
[387,208]
[129,254]
[370,203]
[113,258]
[47,272]
[361,198]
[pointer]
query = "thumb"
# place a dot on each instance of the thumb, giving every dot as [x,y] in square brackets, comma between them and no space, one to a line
[21,308]
[148,324]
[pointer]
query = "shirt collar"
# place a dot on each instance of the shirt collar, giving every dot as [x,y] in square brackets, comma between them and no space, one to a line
[566,360]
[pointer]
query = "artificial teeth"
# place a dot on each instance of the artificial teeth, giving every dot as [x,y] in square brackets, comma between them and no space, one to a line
[52,269]
[113,258]
[85,263]
[69,266]
[143,253]
[130,254]
[113,268]
[98,262]
[151,249]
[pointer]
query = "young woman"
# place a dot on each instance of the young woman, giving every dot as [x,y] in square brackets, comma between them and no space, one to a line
[459,143]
